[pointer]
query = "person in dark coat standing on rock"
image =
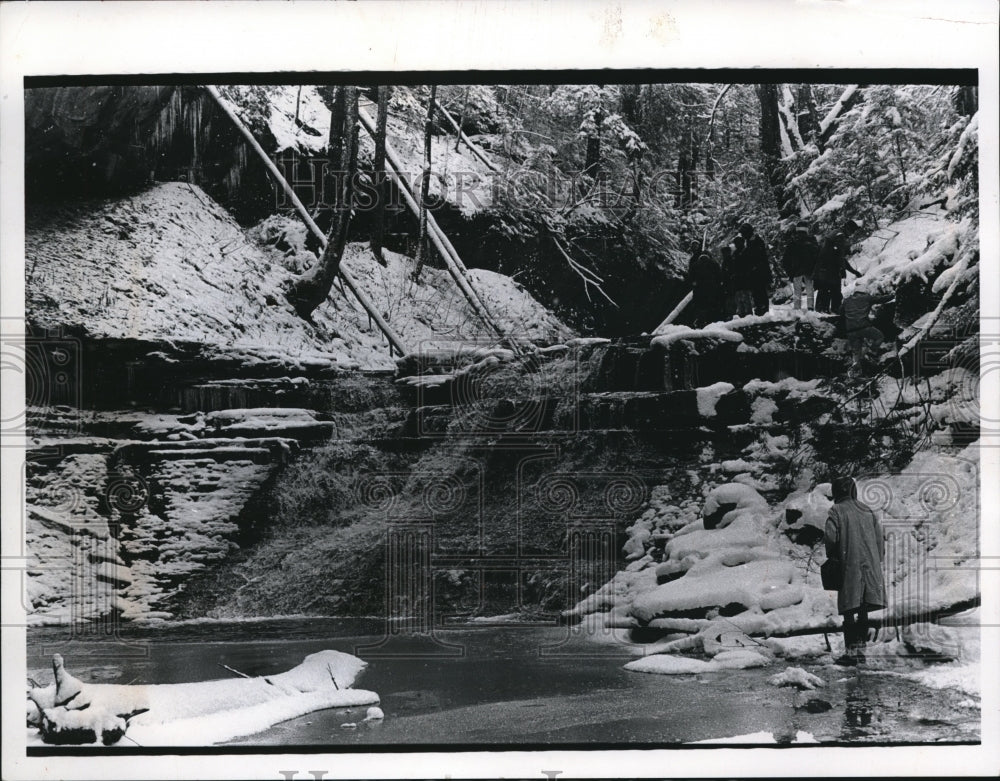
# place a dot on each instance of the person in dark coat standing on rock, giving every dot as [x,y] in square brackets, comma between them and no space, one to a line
[853,536]
[705,278]
[831,267]
[742,279]
[728,281]
[754,259]
[801,253]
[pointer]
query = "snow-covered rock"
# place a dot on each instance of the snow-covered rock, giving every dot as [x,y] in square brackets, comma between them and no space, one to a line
[796,676]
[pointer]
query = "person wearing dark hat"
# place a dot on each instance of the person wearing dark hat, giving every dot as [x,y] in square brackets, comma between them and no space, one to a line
[753,258]
[853,538]
[832,267]
[801,252]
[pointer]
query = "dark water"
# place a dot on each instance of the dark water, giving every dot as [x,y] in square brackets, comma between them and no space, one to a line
[516,686]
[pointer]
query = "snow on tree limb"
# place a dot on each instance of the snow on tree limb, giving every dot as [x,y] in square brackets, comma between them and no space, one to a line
[971,129]
[956,280]
[838,107]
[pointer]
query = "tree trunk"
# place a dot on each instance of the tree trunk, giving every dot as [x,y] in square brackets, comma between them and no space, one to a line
[630,104]
[806,113]
[682,171]
[770,141]
[381,181]
[425,184]
[592,166]
[335,144]
[461,118]
[966,100]
[312,289]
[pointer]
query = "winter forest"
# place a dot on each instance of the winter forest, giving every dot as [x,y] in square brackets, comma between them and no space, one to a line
[332,380]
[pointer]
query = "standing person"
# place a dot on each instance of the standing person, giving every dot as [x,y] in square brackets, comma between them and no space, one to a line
[854,538]
[831,267]
[728,281]
[801,252]
[754,257]
[705,278]
[742,279]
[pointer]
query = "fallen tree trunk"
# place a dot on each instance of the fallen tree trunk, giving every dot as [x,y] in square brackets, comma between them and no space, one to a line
[395,343]
[674,313]
[700,626]
[464,138]
[454,264]
[913,617]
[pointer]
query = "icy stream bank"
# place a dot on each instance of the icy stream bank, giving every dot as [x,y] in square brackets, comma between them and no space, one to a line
[503,691]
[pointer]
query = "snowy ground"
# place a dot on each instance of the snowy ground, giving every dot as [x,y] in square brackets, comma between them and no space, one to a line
[169,263]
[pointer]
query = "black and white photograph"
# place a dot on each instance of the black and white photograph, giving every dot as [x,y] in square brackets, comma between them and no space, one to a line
[375,412]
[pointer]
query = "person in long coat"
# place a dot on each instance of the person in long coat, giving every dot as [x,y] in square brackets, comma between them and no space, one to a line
[831,268]
[853,535]
[801,253]
[705,278]
[753,258]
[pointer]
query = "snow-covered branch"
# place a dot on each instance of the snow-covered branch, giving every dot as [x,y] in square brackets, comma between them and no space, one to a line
[836,109]
[956,280]
[971,129]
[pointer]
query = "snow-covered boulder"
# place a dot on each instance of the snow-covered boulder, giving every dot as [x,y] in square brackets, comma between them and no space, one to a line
[796,676]
[724,503]
[932,640]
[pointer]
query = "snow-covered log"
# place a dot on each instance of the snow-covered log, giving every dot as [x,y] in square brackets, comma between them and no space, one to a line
[464,138]
[201,713]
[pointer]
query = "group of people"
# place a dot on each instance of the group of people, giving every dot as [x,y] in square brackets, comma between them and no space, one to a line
[818,270]
[741,284]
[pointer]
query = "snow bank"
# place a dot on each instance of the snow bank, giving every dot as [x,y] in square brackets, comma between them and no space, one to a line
[169,263]
[924,245]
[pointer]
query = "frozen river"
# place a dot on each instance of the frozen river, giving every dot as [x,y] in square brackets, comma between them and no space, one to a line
[497,686]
